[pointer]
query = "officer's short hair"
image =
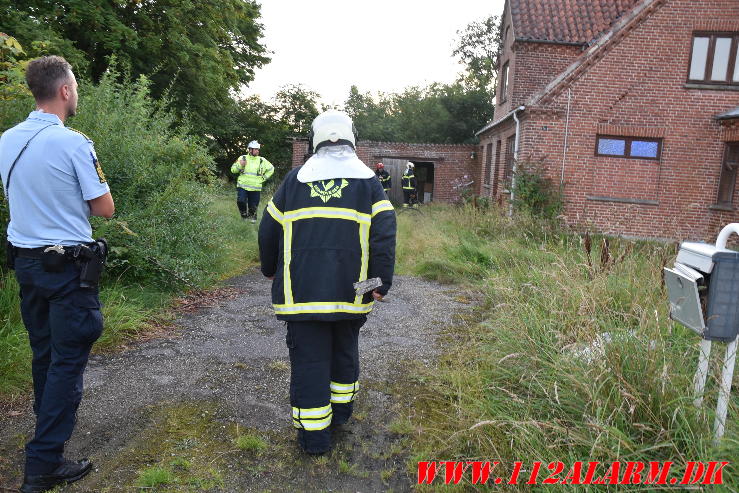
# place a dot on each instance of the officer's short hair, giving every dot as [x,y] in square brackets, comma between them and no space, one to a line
[45,74]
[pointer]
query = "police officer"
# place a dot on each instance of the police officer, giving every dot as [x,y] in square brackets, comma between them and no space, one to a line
[409,186]
[384,178]
[328,226]
[253,171]
[53,186]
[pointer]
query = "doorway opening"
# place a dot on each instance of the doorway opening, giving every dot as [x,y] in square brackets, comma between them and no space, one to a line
[424,172]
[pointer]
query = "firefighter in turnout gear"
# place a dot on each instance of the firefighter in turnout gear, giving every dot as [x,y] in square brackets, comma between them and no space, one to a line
[253,171]
[410,195]
[328,226]
[384,178]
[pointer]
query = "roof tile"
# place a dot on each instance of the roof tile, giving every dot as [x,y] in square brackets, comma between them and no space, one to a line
[566,21]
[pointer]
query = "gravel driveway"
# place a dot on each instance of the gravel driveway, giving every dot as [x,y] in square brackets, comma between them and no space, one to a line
[180,403]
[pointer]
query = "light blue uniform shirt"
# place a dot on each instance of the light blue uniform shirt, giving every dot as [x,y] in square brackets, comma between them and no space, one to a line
[51,183]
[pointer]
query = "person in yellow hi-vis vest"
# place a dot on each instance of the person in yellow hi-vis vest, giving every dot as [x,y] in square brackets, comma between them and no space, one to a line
[253,171]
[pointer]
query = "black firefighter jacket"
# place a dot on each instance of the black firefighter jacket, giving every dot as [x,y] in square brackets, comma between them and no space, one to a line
[317,239]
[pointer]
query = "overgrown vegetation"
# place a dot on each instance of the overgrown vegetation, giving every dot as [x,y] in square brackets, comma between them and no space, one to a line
[175,227]
[535,194]
[565,358]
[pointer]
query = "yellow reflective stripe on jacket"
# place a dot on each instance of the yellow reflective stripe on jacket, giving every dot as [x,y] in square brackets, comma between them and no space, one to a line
[383,205]
[327,212]
[364,243]
[313,419]
[342,393]
[251,176]
[322,307]
[287,219]
[274,212]
[287,284]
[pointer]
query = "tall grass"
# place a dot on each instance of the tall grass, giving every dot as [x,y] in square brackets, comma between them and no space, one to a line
[561,360]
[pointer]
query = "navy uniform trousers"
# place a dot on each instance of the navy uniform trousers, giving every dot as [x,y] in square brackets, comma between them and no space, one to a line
[248,202]
[63,321]
[324,378]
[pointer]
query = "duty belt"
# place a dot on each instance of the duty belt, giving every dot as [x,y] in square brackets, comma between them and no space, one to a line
[30,252]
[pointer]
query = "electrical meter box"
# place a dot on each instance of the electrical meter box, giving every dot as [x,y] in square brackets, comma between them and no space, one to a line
[703,287]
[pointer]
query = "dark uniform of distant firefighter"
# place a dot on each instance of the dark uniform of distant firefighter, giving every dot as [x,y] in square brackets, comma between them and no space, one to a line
[53,181]
[384,178]
[410,194]
[328,226]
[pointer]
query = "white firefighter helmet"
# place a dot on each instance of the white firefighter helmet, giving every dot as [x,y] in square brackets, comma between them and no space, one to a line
[254,145]
[410,165]
[333,127]
[333,138]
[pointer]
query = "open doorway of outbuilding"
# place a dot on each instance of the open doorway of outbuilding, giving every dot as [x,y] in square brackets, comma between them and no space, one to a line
[424,181]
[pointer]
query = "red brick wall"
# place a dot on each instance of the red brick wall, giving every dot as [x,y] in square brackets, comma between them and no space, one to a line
[638,88]
[451,162]
[536,65]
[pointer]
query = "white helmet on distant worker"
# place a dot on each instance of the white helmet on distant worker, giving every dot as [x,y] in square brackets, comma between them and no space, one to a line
[254,145]
[332,127]
[410,165]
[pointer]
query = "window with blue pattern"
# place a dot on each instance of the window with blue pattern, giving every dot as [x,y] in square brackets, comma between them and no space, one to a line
[628,147]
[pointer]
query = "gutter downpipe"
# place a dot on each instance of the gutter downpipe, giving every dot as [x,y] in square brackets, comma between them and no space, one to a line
[564,150]
[515,157]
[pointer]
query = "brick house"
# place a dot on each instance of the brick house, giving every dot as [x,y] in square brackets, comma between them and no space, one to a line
[629,105]
[442,171]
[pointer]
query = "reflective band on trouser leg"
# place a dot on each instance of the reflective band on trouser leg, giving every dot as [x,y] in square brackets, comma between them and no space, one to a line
[287,228]
[313,419]
[364,242]
[342,393]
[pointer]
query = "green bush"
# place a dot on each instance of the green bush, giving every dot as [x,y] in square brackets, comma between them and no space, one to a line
[535,194]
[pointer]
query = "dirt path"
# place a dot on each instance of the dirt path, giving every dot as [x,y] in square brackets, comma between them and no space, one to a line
[208,409]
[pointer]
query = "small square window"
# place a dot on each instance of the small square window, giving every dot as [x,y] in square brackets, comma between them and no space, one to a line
[630,147]
[644,148]
[612,147]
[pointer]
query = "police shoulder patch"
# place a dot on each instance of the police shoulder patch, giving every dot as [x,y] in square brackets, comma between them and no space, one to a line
[98,168]
[327,189]
[77,131]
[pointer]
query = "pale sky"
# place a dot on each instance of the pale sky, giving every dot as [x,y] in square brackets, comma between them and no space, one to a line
[380,45]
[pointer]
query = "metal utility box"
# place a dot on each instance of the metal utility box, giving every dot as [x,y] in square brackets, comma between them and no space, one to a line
[723,298]
[703,287]
[685,299]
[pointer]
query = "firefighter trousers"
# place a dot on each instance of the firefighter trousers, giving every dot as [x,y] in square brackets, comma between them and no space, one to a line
[324,378]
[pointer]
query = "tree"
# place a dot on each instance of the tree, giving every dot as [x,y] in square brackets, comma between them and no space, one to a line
[296,107]
[197,63]
[478,49]
[438,113]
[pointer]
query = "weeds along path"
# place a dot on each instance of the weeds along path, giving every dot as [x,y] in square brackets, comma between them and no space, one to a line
[207,409]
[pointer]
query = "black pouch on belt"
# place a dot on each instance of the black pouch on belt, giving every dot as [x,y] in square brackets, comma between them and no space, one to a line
[53,261]
[92,261]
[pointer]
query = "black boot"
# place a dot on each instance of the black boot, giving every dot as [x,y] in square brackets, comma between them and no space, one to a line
[242,209]
[68,472]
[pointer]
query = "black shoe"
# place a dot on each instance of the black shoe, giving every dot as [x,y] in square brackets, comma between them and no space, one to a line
[68,472]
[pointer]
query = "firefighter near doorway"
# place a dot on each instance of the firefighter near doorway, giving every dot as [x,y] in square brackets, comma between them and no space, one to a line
[410,187]
[328,227]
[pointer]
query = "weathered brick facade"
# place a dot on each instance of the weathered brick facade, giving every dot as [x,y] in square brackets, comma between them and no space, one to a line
[630,82]
[450,163]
